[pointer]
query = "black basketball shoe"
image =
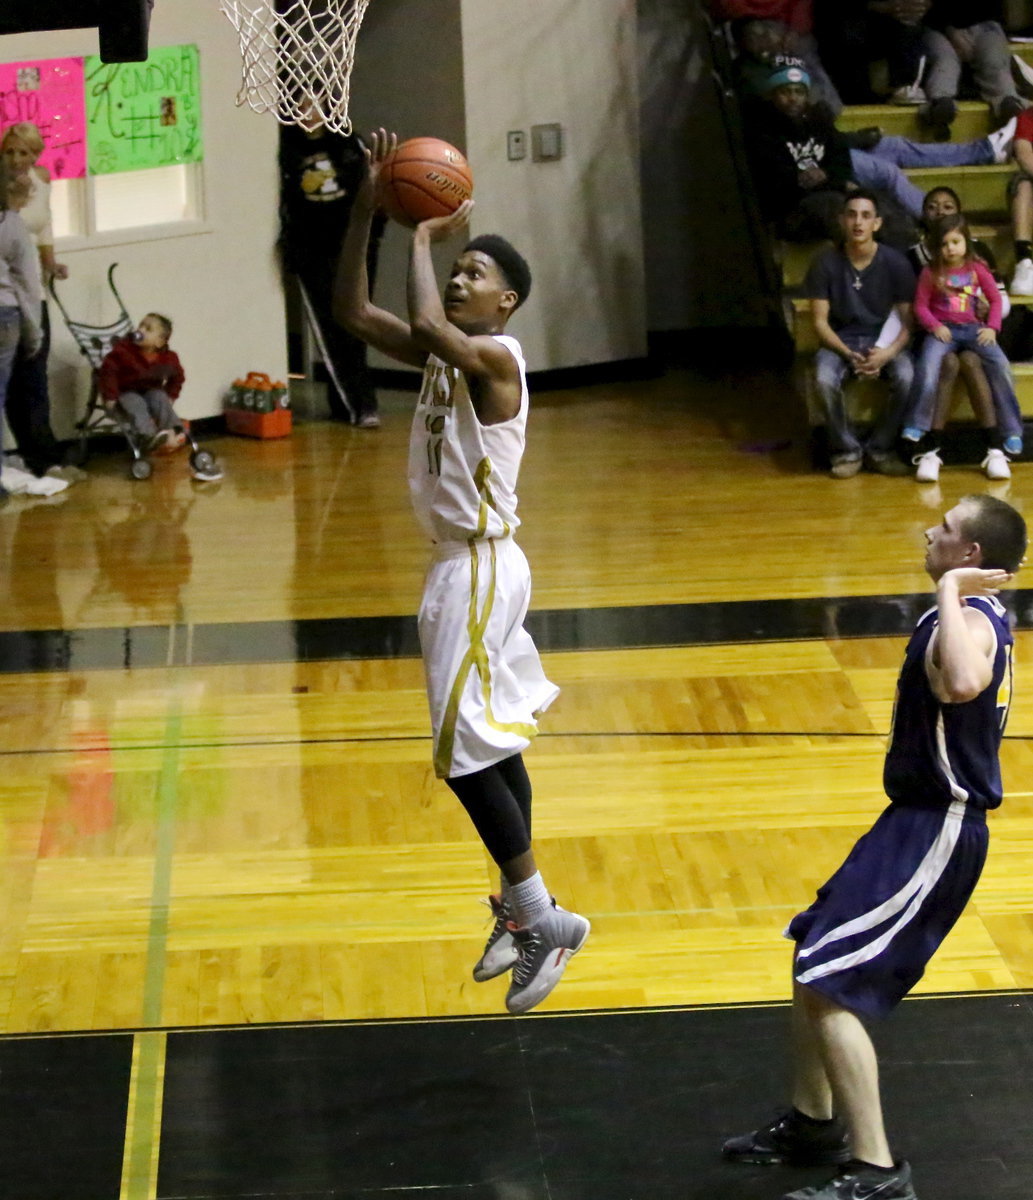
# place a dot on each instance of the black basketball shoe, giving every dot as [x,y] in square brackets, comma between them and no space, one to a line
[791,1139]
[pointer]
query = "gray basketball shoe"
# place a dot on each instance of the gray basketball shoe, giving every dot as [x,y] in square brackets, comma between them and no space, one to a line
[500,952]
[544,950]
[858,1181]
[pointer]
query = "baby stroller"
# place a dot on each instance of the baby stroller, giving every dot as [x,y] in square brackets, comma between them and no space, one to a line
[94,341]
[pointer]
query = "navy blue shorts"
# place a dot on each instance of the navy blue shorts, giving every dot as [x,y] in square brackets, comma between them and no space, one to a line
[865,941]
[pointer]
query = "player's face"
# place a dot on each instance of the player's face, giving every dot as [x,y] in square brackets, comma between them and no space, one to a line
[945,545]
[937,205]
[860,221]
[18,155]
[151,334]
[476,297]
[791,99]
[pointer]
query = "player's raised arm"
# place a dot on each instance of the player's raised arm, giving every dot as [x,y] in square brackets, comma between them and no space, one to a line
[962,664]
[459,329]
[352,305]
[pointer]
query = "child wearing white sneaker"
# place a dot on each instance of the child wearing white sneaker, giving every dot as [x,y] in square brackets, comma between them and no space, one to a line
[143,376]
[946,305]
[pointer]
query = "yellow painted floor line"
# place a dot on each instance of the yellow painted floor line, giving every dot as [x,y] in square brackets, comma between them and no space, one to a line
[143,1120]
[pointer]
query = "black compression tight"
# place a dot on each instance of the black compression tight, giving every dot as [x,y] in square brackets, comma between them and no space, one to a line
[498,800]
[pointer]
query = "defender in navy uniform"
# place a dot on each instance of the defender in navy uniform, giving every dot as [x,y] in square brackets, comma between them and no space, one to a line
[865,941]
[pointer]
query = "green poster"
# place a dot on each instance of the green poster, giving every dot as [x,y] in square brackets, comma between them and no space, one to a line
[141,115]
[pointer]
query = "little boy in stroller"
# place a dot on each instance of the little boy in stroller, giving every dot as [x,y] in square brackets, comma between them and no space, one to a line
[129,366]
[143,376]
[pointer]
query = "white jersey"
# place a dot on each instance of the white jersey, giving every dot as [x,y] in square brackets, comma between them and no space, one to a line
[462,474]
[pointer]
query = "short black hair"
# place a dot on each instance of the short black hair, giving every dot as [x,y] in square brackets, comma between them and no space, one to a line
[509,261]
[862,194]
[999,530]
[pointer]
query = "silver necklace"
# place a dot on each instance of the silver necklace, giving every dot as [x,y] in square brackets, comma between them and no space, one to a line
[858,282]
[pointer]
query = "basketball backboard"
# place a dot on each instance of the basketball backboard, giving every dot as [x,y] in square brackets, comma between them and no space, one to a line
[122,25]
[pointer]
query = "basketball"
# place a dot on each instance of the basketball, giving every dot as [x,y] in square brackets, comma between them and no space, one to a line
[425,177]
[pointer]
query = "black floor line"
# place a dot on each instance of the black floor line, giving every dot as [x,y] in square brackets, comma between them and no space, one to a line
[357,638]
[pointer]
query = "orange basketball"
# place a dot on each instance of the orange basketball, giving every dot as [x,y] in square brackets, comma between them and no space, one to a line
[424,178]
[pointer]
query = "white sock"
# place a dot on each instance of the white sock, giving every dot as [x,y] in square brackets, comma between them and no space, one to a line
[529,899]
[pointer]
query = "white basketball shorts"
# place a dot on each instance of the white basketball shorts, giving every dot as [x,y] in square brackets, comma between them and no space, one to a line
[485,682]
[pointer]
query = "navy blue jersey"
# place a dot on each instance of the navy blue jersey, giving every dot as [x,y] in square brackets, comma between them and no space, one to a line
[939,753]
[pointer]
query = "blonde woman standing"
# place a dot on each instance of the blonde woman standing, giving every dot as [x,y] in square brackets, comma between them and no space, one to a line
[28,398]
[19,297]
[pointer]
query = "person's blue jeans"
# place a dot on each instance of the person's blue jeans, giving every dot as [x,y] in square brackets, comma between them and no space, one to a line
[10,335]
[922,406]
[28,407]
[881,167]
[831,371]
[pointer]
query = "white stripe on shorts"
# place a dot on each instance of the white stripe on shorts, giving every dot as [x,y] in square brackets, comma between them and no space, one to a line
[907,902]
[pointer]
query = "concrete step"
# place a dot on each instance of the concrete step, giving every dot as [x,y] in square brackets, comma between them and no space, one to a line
[1023,50]
[983,190]
[974,120]
[795,259]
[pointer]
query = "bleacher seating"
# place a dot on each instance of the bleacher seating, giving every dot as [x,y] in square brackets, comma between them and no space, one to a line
[983,192]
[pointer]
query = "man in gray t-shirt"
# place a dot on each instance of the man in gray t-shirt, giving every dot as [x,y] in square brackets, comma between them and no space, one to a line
[854,289]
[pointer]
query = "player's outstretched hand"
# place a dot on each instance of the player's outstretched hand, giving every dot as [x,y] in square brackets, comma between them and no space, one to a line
[974,581]
[379,145]
[439,229]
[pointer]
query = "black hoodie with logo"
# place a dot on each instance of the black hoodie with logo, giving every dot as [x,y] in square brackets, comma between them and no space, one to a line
[779,148]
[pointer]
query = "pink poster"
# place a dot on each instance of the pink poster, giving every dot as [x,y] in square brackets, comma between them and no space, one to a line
[51,95]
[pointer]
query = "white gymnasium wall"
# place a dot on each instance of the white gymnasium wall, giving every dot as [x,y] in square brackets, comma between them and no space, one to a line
[408,78]
[219,280]
[577,220]
[469,71]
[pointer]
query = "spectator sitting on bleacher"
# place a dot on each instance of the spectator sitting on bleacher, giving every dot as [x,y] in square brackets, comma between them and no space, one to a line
[945,202]
[946,307]
[1016,337]
[967,33]
[764,28]
[854,289]
[802,163]
[851,34]
[942,202]
[1020,191]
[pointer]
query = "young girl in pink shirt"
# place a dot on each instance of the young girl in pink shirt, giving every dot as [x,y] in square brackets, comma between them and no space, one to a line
[947,306]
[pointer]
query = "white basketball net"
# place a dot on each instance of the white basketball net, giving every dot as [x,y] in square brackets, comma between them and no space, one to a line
[298,62]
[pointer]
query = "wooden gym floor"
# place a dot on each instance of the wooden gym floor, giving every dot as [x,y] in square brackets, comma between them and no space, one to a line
[217,811]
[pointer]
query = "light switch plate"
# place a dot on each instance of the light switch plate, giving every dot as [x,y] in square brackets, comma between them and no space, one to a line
[546,142]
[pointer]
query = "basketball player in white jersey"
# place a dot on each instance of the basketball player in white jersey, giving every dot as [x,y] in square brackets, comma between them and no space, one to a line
[485,682]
